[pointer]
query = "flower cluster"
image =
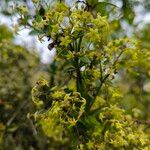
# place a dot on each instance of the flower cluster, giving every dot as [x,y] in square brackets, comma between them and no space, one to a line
[80,109]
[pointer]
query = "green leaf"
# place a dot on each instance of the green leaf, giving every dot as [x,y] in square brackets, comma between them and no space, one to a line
[84,60]
[92,2]
[128,13]
[101,7]
[33,32]
[6,13]
[38,18]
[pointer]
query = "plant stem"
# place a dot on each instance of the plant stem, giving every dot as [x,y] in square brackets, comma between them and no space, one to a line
[79,83]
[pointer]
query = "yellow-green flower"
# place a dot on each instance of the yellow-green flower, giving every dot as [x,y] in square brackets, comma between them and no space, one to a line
[65,41]
[93,35]
[35,1]
[55,29]
[39,25]
[100,21]
[23,9]
[61,7]
[49,15]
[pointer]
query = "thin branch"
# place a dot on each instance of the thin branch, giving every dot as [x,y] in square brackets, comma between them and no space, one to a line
[33,127]
[101,84]
[78,136]
[16,113]
[33,27]
[138,121]
[146,122]
[116,60]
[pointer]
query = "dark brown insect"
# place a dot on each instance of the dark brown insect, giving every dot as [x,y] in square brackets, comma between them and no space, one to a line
[51,46]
